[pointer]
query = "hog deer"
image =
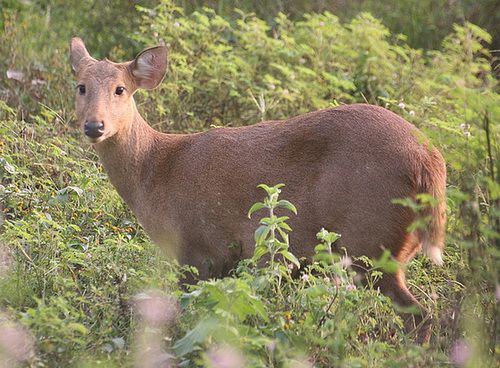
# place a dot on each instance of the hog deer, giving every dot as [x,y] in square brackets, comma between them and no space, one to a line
[342,168]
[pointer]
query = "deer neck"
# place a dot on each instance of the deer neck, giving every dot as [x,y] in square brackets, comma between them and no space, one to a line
[126,155]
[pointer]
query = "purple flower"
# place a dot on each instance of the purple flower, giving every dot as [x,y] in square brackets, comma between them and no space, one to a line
[156,309]
[271,346]
[345,261]
[225,357]
[15,343]
[460,353]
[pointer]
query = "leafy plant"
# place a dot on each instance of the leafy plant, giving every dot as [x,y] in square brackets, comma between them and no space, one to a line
[266,240]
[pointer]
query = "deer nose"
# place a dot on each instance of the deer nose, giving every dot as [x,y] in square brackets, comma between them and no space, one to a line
[93,129]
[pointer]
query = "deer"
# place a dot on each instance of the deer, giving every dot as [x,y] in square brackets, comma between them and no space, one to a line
[342,167]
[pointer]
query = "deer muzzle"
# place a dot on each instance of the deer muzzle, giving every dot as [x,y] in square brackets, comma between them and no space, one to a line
[93,129]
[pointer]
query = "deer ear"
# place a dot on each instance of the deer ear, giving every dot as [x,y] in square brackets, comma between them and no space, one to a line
[149,67]
[78,54]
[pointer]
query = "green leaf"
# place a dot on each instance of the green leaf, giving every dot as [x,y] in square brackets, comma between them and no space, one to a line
[323,257]
[285,226]
[77,190]
[188,343]
[265,187]
[321,247]
[328,237]
[261,234]
[316,291]
[242,307]
[259,252]
[62,198]
[285,204]
[6,167]
[290,257]
[255,207]
[78,327]
[11,169]
[271,191]
[118,342]
[281,219]
[259,307]
[385,263]
[187,298]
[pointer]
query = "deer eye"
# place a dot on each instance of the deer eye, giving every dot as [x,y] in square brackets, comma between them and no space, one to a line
[81,89]
[119,91]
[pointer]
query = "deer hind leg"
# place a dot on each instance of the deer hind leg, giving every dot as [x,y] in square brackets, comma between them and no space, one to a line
[417,320]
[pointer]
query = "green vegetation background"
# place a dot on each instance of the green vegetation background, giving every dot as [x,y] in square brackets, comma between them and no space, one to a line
[80,283]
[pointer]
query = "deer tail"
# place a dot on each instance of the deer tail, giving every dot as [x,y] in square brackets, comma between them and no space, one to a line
[432,180]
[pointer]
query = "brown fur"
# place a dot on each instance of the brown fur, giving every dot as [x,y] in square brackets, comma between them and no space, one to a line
[342,167]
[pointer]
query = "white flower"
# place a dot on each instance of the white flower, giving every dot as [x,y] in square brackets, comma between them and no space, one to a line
[305,277]
[412,113]
[402,105]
